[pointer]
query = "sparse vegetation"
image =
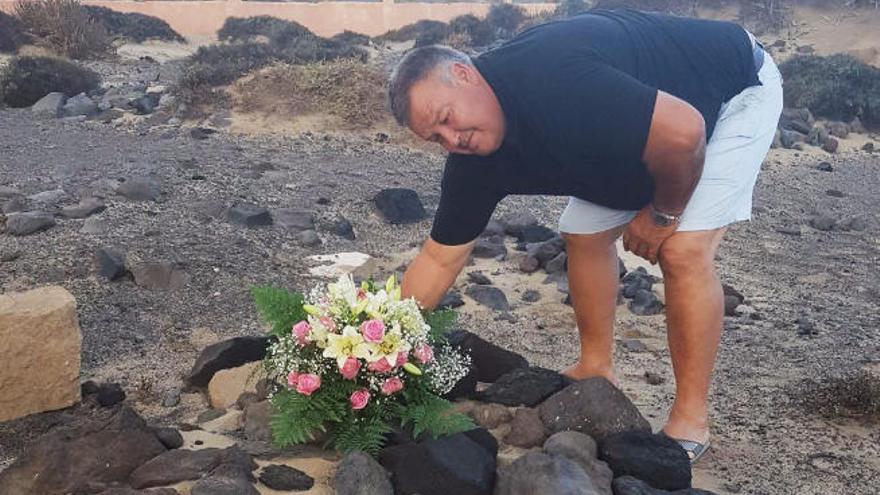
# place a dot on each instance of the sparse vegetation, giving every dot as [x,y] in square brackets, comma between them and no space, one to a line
[505,18]
[347,89]
[854,394]
[473,28]
[63,26]
[568,8]
[250,29]
[837,87]
[11,33]
[761,16]
[424,29]
[27,79]
[133,26]
[352,38]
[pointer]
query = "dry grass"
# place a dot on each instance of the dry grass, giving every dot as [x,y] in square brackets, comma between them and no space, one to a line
[64,26]
[347,89]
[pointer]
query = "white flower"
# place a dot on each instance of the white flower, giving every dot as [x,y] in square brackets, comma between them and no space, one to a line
[349,344]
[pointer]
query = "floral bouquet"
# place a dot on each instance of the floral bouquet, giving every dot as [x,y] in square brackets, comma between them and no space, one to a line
[354,360]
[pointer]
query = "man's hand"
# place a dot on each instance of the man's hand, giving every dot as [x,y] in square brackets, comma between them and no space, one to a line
[643,237]
[433,271]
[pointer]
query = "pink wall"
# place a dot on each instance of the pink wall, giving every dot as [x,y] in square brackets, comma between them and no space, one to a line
[200,19]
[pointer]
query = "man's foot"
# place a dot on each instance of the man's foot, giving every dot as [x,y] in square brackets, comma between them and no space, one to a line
[693,436]
[578,372]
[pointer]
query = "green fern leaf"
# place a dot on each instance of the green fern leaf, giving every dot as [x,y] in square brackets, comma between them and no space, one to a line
[279,307]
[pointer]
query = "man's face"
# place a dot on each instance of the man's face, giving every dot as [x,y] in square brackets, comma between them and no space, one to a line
[458,110]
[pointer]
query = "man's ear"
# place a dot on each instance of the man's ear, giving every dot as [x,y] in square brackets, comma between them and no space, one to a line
[462,73]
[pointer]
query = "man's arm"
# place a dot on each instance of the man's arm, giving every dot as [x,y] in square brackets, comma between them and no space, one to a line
[674,152]
[433,271]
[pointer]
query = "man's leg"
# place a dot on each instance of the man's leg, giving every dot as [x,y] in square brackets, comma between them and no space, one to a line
[694,318]
[593,278]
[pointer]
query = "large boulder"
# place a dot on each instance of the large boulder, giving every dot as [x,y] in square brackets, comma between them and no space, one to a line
[51,105]
[581,449]
[654,458]
[593,406]
[628,485]
[360,474]
[524,386]
[227,385]
[224,355]
[490,360]
[400,206]
[27,223]
[69,459]
[537,473]
[40,352]
[178,465]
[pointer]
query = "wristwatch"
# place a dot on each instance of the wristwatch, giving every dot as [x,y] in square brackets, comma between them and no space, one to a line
[661,219]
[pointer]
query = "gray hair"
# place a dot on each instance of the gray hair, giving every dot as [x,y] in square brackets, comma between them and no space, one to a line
[414,67]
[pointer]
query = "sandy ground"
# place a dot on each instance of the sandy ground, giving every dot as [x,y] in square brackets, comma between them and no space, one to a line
[770,436]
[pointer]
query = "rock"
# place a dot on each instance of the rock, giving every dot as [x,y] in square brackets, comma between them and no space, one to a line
[94,226]
[530,295]
[230,422]
[798,119]
[360,474]
[465,388]
[523,386]
[493,228]
[343,228]
[838,129]
[515,223]
[170,437]
[526,429]
[69,459]
[121,97]
[85,208]
[174,466]
[14,205]
[593,406]
[210,415]
[545,251]
[40,352]
[49,198]
[627,485]
[730,305]
[79,105]
[450,301]
[822,222]
[246,399]
[790,138]
[855,223]
[201,133]
[645,303]
[856,126]
[227,384]
[49,106]
[491,361]
[491,416]
[636,280]
[248,215]
[534,233]
[293,219]
[110,394]
[557,264]
[582,450]
[538,473]
[129,491]
[221,485]
[145,104]
[109,263]
[224,355]
[789,230]
[488,248]
[256,421]
[400,206]
[868,147]
[159,275]
[830,145]
[529,264]
[308,238]
[491,297]
[139,188]
[817,135]
[463,464]
[359,265]
[478,278]
[653,378]
[281,477]
[21,224]
[655,459]
[825,167]
[633,345]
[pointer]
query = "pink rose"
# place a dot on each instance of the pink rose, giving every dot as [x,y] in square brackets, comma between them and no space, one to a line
[328,323]
[292,379]
[401,359]
[361,294]
[373,330]
[308,383]
[350,369]
[359,399]
[392,385]
[424,353]
[380,366]
[301,331]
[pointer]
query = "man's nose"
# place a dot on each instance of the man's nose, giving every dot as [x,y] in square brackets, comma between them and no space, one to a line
[450,138]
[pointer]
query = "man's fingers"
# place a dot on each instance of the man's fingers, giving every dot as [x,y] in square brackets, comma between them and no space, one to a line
[626,240]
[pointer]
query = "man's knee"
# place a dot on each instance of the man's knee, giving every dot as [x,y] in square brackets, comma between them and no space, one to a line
[689,251]
[592,242]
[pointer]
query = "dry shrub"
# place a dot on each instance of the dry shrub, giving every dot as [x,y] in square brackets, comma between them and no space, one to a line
[11,33]
[470,26]
[568,8]
[762,16]
[837,87]
[459,41]
[64,26]
[424,29]
[854,394]
[351,38]
[27,79]
[677,7]
[505,18]
[347,89]
[276,31]
[133,26]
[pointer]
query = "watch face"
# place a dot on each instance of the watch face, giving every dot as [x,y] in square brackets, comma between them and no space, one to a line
[661,220]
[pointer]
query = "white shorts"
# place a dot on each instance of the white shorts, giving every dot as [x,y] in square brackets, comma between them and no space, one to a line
[743,134]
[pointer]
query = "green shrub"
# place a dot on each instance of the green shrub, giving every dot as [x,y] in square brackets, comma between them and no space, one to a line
[11,33]
[479,31]
[27,79]
[504,18]
[63,26]
[276,31]
[136,27]
[837,87]
[425,29]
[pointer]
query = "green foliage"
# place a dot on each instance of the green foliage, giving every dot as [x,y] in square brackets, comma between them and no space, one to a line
[27,79]
[133,26]
[441,321]
[429,413]
[366,434]
[837,87]
[280,308]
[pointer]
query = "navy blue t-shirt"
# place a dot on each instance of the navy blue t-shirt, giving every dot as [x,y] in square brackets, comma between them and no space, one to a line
[578,98]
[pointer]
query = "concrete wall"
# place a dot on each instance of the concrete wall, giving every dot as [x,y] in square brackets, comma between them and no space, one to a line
[202,19]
